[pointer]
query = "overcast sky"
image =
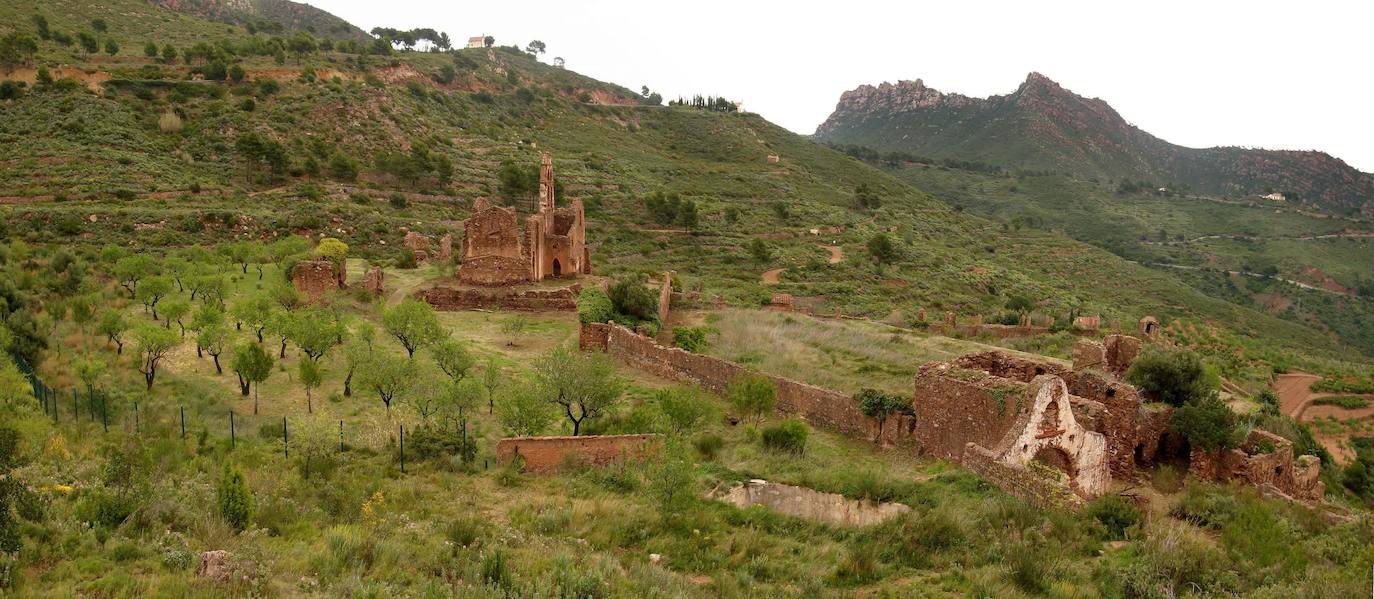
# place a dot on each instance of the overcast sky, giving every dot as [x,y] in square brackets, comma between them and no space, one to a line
[1282,75]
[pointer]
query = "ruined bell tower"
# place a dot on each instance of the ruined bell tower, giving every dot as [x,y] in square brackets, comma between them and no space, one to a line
[546,199]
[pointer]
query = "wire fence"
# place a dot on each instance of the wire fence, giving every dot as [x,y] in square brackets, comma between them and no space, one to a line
[107,412]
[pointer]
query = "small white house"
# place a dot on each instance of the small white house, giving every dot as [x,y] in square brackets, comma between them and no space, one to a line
[1276,196]
[477,42]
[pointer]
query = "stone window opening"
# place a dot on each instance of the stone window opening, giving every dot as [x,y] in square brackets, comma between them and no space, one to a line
[557,268]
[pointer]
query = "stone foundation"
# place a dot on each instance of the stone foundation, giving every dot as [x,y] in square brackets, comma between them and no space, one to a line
[801,502]
[550,454]
[521,300]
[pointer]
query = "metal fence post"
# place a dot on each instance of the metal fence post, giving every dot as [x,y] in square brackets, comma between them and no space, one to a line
[285,439]
[183,423]
[104,414]
[341,436]
[136,417]
[232,440]
[403,449]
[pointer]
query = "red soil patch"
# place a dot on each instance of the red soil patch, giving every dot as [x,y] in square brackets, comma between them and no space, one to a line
[836,253]
[771,277]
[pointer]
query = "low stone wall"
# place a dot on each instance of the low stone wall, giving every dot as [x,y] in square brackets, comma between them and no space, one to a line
[820,407]
[1030,484]
[529,300]
[549,454]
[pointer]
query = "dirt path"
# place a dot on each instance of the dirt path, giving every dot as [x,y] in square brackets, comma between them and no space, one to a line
[771,277]
[1295,391]
[836,253]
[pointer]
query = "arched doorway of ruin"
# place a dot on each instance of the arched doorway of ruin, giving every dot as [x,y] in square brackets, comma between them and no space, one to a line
[1058,459]
[557,268]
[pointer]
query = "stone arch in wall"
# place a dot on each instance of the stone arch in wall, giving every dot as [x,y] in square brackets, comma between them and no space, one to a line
[557,268]
[1049,434]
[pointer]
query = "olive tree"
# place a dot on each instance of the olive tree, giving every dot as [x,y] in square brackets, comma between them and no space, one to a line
[582,385]
[388,376]
[752,395]
[414,324]
[153,344]
[253,365]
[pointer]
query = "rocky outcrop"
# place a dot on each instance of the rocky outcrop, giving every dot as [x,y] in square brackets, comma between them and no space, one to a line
[1043,126]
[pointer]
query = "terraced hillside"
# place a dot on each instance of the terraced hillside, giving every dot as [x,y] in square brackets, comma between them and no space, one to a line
[143,150]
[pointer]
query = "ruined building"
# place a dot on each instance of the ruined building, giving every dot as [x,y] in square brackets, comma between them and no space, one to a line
[1059,435]
[553,244]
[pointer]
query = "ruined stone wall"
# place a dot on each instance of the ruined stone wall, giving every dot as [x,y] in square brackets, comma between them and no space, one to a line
[549,454]
[1033,485]
[999,331]
[492,231]
[314,278]
[494,271]
[1266,462]
[821,407]
[529,300]
[1017,368]
[665,298]
[956,406]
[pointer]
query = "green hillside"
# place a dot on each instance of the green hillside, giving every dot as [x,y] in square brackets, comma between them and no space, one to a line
[74,150]
[174,422]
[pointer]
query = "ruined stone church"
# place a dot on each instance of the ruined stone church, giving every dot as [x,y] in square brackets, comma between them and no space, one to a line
[553,244]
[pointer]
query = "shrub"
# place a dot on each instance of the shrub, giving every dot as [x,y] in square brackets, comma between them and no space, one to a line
[398,201]
[1115,513]
[495,571]
[708,445]
[684,408]
[1349,402]
[233,498]
[787,436]
[406,260]
[632,298]
[1171,375]
[1268,402]
[1208,424]
[594,306]
[752,395]
[692,339]
[105,509]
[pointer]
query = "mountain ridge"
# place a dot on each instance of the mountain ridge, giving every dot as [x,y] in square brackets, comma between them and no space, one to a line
[1044,126]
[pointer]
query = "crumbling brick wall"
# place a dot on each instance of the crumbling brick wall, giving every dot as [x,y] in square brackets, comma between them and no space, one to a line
[821,407]
[955,406]
[1265,461]
[1032,485]
[665,298]
[1008,366]
[549,454]
[528,300]
[314,278]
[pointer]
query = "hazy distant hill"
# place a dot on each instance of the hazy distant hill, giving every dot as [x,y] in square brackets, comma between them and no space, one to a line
[1042,126]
